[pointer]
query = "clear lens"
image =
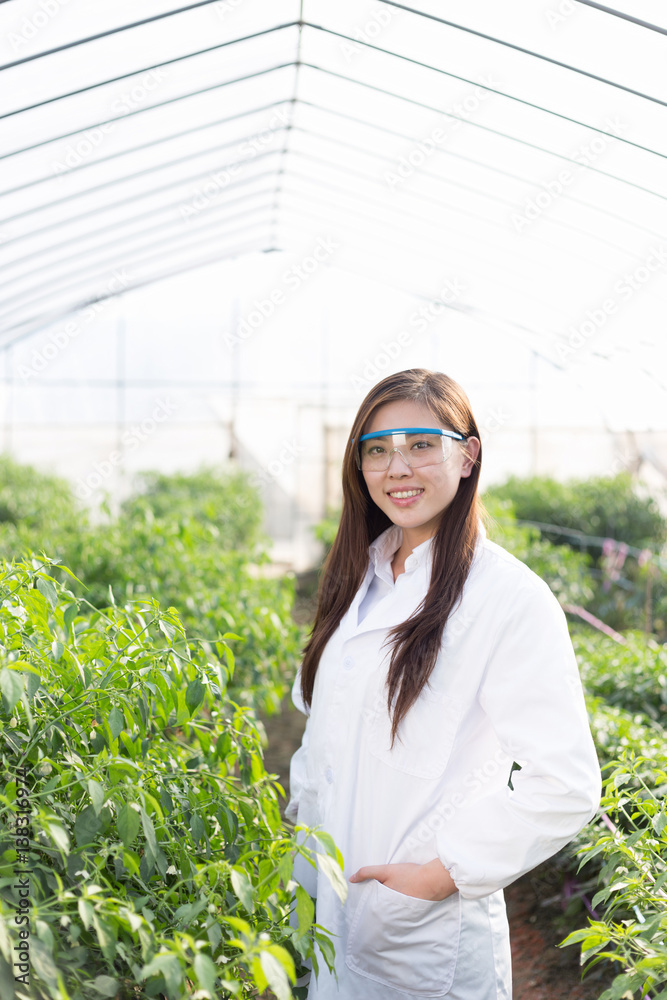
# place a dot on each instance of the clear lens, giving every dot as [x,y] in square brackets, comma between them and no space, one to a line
[415,449]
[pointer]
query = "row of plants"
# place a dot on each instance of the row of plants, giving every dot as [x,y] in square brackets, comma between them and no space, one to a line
[623,851]
[153,847]
[136,648]
[192,542]
[621,530]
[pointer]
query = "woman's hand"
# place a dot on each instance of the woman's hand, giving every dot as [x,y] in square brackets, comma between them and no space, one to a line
[429,881]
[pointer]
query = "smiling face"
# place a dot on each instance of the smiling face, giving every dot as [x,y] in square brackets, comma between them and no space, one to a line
[430,489]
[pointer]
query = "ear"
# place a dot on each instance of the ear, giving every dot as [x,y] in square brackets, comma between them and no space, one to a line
[471,450]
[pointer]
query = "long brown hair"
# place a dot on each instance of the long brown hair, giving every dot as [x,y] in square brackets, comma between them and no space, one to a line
[416,641]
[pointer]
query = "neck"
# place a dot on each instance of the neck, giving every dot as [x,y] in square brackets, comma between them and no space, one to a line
[412,537]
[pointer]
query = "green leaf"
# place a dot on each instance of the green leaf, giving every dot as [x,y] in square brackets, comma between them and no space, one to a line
[243,889]
[168,966]
[58,835]
[166,801]
[128,823]
[87,826]
[57,649]
[106,985]
[116,722]
[69,614]
[197,827]
[47,590]
[168,629]
[104,936]
[85,912]
[118,771]
[194,694]
[149,833]
[206,972]
[11,686]
[275,973]
[42,959]
[334,873]
[229,823]
[186,913]
[305,910]
[23,665]
[131,862]
[660,821]
[329,845]
[285,868]
[96,792]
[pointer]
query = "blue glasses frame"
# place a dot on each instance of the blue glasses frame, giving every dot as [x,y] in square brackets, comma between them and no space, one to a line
[404,430]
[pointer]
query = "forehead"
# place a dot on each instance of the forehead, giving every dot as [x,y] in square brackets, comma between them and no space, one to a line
[401,413]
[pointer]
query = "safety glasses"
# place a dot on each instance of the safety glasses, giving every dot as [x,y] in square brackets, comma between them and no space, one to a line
[417,446]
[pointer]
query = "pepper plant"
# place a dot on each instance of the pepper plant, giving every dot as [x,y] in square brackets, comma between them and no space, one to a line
[156,857]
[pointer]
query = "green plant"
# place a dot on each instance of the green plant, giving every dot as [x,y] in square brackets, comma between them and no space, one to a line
[566,571]
[192,541]
[325,530]
[605,506]
[631,675]
[222,498]
[631,842]
[157,860]
[35,508]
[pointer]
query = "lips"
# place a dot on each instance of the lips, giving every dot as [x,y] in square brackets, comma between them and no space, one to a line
[405,498]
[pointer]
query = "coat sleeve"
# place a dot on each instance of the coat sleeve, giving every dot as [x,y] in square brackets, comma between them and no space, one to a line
[532,696]
[297,772]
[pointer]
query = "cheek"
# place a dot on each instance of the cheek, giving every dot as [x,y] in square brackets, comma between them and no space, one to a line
[373,488]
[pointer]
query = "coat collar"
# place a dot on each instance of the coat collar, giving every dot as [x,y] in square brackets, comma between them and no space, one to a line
[385,545]
[409,589]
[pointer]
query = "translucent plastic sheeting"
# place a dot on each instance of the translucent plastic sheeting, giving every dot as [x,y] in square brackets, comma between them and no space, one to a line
[503,160]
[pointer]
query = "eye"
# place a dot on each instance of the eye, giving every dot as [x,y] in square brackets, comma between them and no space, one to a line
[422,444]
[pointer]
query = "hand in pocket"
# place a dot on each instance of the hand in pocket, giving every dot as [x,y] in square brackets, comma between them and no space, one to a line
[430,881]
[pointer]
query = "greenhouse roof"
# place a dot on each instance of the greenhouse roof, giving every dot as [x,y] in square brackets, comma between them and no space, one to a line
[522,145]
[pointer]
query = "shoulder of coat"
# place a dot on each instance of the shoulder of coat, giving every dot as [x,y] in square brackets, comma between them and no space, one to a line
[509,570]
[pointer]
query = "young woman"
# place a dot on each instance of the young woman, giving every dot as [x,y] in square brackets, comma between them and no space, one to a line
[447,747]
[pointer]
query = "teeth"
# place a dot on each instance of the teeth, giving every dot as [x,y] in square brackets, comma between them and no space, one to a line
[404,494]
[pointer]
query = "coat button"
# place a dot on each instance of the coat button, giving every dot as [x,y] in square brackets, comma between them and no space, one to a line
[328,774]
[348,663]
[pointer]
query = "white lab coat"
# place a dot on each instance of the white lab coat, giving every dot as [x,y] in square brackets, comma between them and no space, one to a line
[505,688]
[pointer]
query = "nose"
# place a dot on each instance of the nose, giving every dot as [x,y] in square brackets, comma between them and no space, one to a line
[401,468]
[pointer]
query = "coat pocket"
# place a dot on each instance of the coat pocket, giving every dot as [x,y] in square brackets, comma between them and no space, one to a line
[405,943]
[425,737]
